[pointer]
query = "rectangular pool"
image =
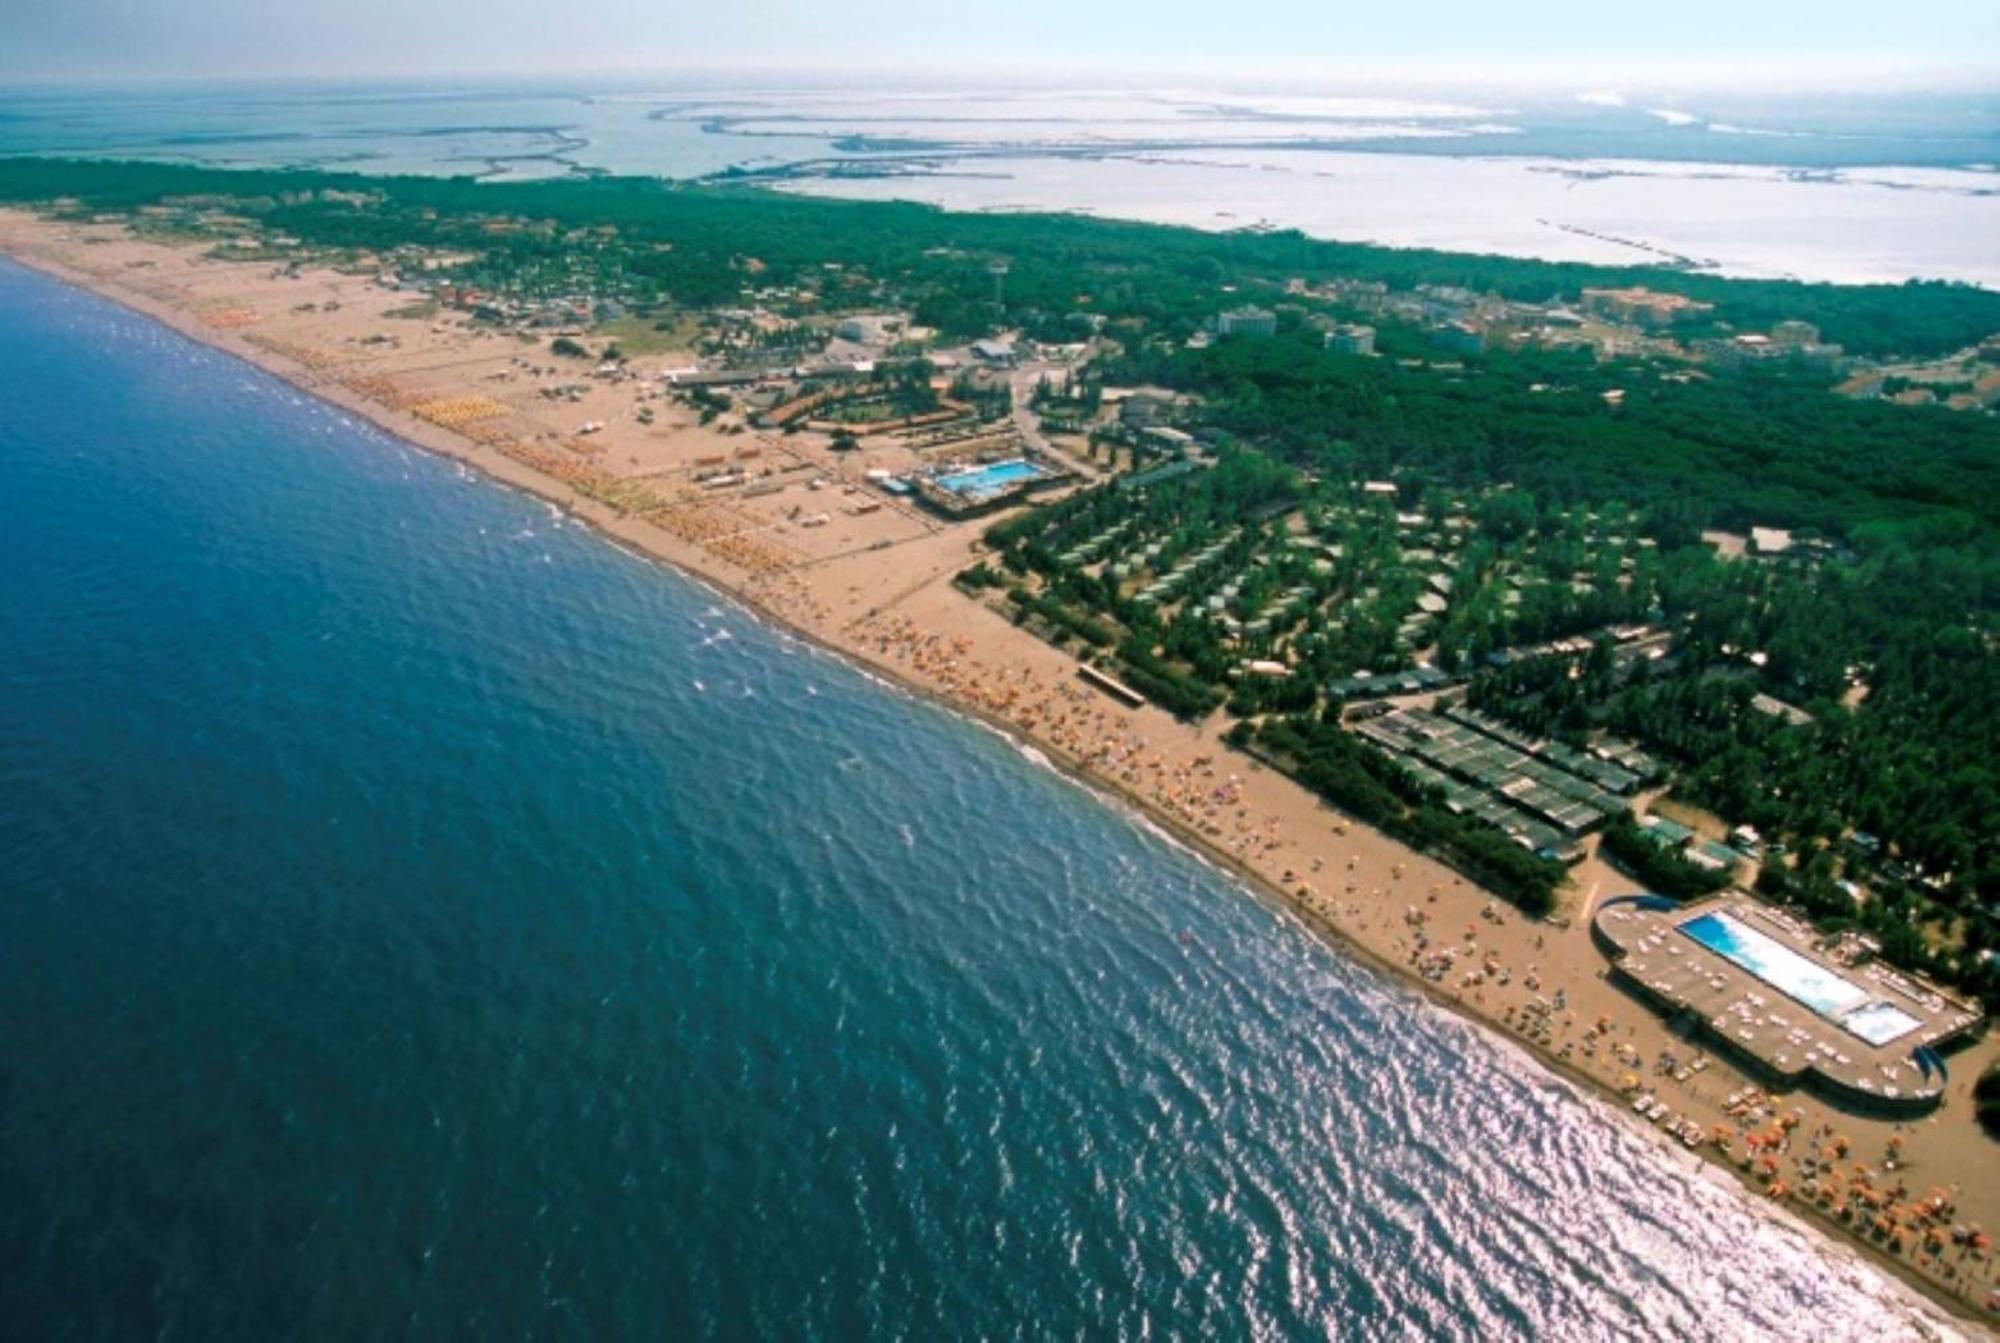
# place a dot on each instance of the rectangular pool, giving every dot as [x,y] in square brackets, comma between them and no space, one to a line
[1879,1023]
[1776,964]
[984,482]
[1799,978]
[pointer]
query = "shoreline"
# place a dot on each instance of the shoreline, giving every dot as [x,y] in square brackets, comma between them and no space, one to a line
[652,543]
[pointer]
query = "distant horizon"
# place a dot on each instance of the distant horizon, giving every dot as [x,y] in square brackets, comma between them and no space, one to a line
[1804,80]
[1777,46]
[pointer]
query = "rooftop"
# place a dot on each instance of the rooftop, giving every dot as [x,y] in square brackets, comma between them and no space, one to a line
[1770,988]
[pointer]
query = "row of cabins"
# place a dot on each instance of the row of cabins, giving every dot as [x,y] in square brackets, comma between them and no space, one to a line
[1365,685]
[1169,584]
[1486,771]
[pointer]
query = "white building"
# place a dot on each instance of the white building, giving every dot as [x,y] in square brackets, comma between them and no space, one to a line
[1247,321]
[1351,338]
[869,328]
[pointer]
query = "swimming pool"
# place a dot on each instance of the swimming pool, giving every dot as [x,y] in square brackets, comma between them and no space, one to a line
[984,482]
[1879,1023]
[1831,995]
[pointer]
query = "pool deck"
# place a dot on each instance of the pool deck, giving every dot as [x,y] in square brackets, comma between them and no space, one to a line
[963,492]
[1782,1037]
[980,482]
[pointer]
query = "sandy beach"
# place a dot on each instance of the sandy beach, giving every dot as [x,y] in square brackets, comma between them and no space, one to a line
[802,540]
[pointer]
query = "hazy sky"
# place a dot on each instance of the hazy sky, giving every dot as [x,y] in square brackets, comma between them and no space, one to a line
[1718,41]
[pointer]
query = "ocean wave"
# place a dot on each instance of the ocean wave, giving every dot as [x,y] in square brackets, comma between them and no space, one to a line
[472,966]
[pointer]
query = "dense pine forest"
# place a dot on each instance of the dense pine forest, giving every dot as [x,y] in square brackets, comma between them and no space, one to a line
[1585,484]
[1059,262]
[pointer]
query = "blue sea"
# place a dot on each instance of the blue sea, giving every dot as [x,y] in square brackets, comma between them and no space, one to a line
[423,919]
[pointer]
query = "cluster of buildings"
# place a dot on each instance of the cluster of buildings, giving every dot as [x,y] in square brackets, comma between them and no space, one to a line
[1628,641]
[1457,320]
[1795,341]
[1711,855]
[1623,320]
[1780,545]
[1542,794]
[1958,384]
[1641,307]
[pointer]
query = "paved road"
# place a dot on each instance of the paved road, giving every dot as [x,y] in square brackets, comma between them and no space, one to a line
[1029,425]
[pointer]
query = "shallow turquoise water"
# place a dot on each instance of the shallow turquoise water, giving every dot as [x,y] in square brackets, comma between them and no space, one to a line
[421,918]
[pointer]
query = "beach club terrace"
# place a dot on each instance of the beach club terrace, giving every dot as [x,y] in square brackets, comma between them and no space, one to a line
[1797,1006]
